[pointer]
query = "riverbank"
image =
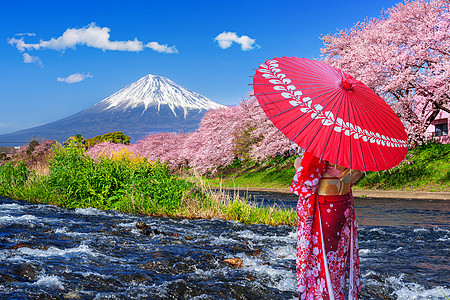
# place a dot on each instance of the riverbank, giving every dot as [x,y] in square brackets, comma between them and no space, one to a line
[130,185]
[424,173]
[133,184]
[360,193]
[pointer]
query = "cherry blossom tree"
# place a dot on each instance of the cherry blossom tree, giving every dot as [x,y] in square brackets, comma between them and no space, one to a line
[404,56]
[266,139]
[166,146]
[211,145]
[35,153]
[224,134]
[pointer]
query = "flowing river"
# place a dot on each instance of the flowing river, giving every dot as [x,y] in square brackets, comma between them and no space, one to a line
[51,253]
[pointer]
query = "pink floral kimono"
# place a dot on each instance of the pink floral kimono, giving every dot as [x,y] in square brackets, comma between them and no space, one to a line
[327,246]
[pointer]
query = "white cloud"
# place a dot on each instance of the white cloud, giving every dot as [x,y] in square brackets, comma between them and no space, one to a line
[161,48]
[26,33]
[226,39]
[91,36]
[77,77]
[28,59]
[19,44]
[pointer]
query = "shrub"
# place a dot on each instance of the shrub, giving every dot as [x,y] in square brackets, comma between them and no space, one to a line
[116,137]
[106,183]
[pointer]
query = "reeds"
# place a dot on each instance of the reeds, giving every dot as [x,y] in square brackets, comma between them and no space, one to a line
[238,208]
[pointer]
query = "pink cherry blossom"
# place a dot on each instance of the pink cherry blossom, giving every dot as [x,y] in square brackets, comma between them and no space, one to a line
[403,56]
[224,134]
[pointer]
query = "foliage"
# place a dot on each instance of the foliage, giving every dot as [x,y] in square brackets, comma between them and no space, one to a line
[426,167]
[19,181]
[106,182]
[116,137]
[13,175]
[77,139]
[131,159]
[275,172]
[231,206]
[21,177]
[243,211]
[242,141]
[403,56]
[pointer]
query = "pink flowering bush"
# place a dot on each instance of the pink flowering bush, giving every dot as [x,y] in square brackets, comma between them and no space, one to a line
[105,149]
[35,153]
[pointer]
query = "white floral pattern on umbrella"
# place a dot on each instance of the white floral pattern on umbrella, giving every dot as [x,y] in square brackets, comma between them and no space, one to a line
[282,83]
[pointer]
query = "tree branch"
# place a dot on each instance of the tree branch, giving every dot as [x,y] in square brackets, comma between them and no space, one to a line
[442,107]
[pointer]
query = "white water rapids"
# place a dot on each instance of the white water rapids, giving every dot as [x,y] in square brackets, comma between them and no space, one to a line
[52,253]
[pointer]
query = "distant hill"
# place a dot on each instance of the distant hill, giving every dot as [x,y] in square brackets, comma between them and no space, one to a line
[150,105]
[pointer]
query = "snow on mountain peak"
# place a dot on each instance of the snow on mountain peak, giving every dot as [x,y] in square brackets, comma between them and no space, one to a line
[154,91]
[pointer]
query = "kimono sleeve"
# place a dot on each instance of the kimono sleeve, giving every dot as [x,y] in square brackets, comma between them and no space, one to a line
[307,176]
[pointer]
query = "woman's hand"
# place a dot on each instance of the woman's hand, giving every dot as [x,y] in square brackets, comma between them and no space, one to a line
[297,162]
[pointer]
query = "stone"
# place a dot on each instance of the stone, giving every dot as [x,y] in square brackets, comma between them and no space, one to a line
[234,262]
[141,225]
[19,245]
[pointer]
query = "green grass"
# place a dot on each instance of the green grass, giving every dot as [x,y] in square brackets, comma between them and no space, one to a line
[274,173]
[234,207]
[242,211]
[426,168]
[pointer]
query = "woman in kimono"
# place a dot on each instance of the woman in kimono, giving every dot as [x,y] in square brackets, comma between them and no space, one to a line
[327,246]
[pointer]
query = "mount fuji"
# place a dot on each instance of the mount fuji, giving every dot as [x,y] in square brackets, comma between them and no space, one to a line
[150,105]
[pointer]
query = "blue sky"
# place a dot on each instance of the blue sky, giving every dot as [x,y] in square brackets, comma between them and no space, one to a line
[56,57]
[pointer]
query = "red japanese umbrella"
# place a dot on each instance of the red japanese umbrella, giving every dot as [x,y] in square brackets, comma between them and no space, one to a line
[330,114]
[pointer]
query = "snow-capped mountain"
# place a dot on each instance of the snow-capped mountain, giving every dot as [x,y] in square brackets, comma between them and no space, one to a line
[150,105]
[156,91]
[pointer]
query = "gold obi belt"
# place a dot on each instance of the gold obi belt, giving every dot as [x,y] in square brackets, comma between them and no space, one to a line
[330,185]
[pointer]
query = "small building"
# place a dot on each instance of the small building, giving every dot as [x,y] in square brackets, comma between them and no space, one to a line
[439,128]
